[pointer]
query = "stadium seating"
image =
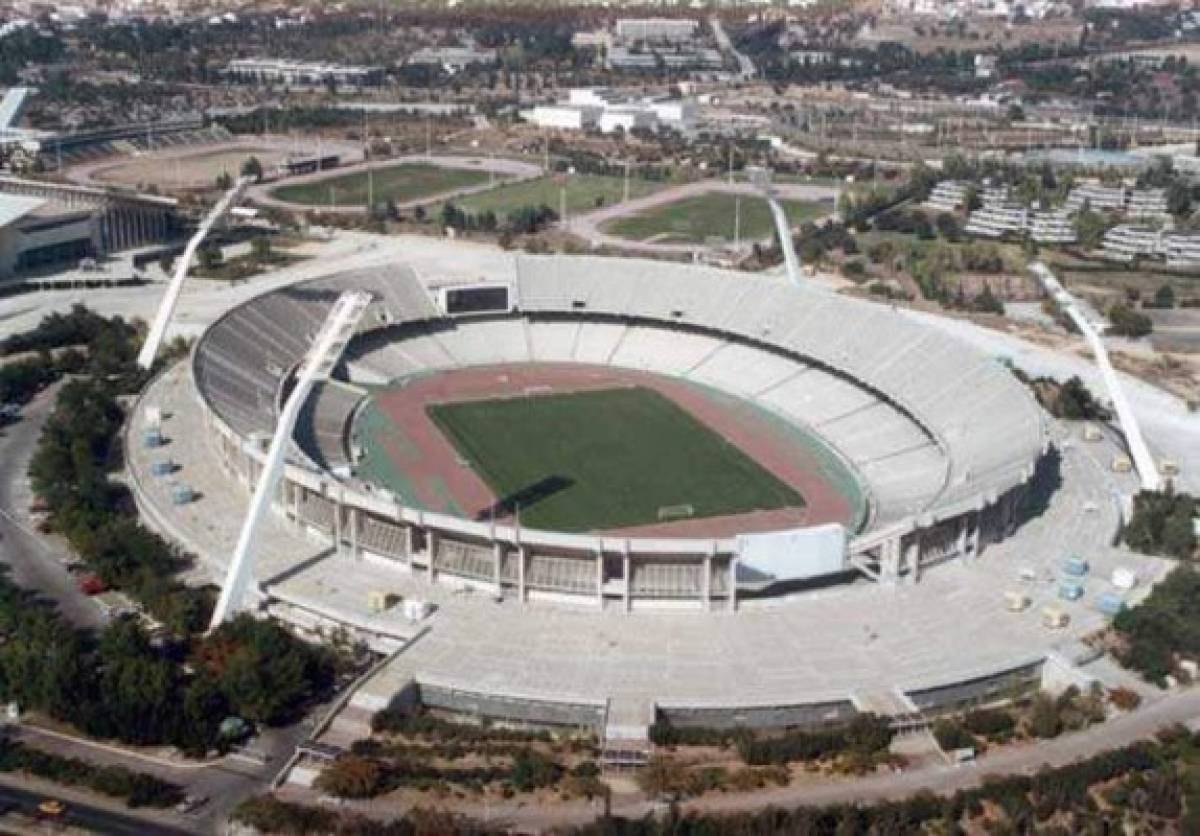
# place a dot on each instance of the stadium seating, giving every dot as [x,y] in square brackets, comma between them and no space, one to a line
[324,424]
[926,422]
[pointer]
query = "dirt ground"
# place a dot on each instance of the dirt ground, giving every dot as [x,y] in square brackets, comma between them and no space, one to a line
[196,168]
[429,461]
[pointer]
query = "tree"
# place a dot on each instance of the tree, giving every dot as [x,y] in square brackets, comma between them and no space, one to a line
[252,167]
[210,258]
[1161,524]
[1164,297]
[264,673]
[1090,227]
[947,226]
[986,302]
[1126,322]
[1044,720]
[224,181]
[1179,199]
[352,776]
[260,248]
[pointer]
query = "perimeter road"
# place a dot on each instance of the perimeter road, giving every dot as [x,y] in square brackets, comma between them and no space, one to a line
[37,562]
[94,819]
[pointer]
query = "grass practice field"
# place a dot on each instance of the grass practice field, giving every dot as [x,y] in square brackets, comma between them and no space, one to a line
[401,183]
[585,192]
[605,459]
[694,220]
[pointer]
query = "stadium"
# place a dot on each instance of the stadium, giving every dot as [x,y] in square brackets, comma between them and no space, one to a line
[578,455]
[931,488]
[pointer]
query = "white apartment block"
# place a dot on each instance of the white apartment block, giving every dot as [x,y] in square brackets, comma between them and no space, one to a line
[997,219]
[1181,249]
[948,196]
[1147,203]
[1126,242]
[1053,227]
[1137,203]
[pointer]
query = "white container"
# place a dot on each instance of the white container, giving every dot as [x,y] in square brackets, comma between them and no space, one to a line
[1123,578]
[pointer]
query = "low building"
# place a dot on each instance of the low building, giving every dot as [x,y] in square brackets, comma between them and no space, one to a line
[627,119]
[36,233]
[586,107]
[656,29]
[302,73]
[562,116]
[677,113]
[453,57]
[625,58]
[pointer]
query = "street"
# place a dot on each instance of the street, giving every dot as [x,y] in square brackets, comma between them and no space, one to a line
[37,562]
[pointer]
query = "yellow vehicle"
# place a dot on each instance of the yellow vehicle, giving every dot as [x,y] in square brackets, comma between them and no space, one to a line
[52,808]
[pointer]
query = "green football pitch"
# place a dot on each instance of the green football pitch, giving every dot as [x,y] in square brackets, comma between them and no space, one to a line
[401,182]
[612,458]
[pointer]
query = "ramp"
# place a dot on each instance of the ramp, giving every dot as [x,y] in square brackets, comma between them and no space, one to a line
[12,107]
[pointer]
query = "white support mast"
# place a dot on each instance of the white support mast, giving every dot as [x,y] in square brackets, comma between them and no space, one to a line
[1138,450]
[165,310]
[317,365]
[761,177]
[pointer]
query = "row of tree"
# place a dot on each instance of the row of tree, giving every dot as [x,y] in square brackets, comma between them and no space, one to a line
[176,687]
[1149,787]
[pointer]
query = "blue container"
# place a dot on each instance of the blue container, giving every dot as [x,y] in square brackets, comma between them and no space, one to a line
[182,494]
[1110,603]
[1075,566]
[163,467]
[1070,591]
[152,438]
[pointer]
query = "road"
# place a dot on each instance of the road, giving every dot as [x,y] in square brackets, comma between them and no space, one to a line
[745,65]
[1182,707]
[96,819]
[37,562]
[506,171]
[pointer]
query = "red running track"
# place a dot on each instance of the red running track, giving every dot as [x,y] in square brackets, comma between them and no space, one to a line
[434,467]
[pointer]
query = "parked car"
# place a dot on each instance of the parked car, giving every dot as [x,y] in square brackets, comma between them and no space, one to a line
[92,585]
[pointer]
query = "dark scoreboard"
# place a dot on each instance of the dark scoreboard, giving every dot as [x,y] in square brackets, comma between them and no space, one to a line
[478,299]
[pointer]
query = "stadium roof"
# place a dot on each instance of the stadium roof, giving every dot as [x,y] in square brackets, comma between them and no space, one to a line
[14,207]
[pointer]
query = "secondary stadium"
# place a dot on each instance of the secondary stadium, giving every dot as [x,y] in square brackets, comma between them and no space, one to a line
[629,490]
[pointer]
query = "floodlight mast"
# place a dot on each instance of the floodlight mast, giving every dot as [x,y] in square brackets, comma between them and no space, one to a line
[1138,450]
[317,365]
[166,308]
[761,177]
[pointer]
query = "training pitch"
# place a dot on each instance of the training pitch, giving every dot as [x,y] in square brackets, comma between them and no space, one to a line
[401,183]
[694,220]
[605,459]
